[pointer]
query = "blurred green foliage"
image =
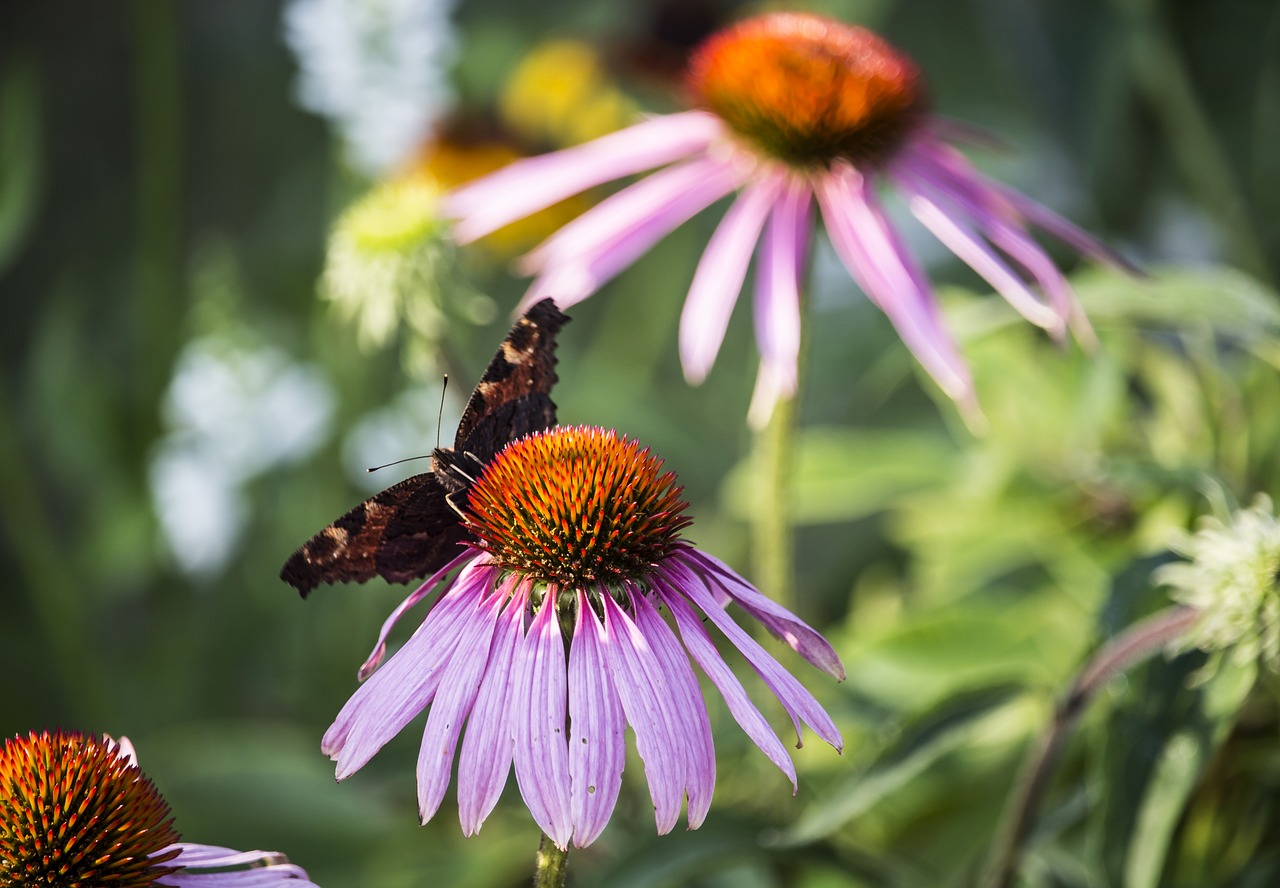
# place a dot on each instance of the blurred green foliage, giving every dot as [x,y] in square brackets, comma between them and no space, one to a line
[159,188]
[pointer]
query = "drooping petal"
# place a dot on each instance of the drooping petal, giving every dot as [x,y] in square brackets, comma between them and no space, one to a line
[698,642]
[453,701]
[487,748]
[402,687]
[597,736]
[720,273]
[687,708]
[781,623]
[380,648]
[265,868]
[800,705]
[783,255]
[887,273]
[960,239]
[640,681]
[529,185]
[538,714]
[592,249]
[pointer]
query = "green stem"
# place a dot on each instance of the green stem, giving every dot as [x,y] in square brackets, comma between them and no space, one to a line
[552,865]
[1136,644]
[773,548]
[158,292]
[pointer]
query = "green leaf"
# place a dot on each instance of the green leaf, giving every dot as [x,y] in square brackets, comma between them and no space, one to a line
[943,730]
[1181,296]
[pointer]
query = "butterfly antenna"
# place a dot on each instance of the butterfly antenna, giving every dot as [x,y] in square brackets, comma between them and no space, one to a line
[397,462]
[444,387]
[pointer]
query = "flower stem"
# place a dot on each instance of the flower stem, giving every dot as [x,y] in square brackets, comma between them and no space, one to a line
[773,548]
[1136,644]
[552,865]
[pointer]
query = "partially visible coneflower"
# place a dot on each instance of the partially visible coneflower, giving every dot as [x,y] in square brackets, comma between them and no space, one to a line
[789,108]
[551,638]
[76,811]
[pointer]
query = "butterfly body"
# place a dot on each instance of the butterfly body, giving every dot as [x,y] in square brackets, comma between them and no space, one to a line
[412,529]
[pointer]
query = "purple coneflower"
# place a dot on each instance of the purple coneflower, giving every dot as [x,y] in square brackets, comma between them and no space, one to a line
[76,811]
[790,107]
[550,640]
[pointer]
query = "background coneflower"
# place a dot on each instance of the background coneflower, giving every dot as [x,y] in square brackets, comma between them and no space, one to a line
[789,108]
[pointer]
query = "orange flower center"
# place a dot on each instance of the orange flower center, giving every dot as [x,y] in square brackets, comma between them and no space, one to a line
[577,506]
[75,814]
[808,90]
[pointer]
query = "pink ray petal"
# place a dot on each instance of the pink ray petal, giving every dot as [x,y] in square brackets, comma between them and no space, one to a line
[869,248]
[688,709]
[720,274]
[965,243]
[402,688]
[535,183]
[489,744]
[597,738]
[783,255]
[698,642]
[781,623]
[380,648]
[633,662]
[800,705]
[577,266]
[538,716]
[458,689]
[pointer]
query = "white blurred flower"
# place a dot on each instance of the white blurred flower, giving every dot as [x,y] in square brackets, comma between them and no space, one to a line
[234,413]
[1231,578]
[376,68]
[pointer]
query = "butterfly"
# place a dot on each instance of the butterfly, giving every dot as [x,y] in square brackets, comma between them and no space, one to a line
[412,529]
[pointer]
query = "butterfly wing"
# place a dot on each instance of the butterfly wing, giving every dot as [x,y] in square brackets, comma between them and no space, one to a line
[407,532]
[411,530]
[513,398]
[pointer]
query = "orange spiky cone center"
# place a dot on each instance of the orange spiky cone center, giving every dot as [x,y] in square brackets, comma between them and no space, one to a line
[74,813]
[577,506]
[807,90]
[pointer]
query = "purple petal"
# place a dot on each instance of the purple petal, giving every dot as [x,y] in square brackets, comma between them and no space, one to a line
[958,237]
[1068,232]
[720,274]
[703,650]
[529,185]
[795,699]
[264,868]
[380,649]
[781,623]
[600,243]
[636,671]
[777,306]
[488,746]
[597,741]
[538,716]
[406,684]
[887,273]
[686,707]
[458,689]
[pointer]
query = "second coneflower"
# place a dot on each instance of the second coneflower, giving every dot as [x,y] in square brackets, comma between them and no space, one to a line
[789,108]
[550,640]
[76,811]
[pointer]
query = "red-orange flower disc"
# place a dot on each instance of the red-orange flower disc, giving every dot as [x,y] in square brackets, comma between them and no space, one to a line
[808,90]
[75,813]
[577,505]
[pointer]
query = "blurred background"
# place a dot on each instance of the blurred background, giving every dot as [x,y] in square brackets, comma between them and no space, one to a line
[223,299]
